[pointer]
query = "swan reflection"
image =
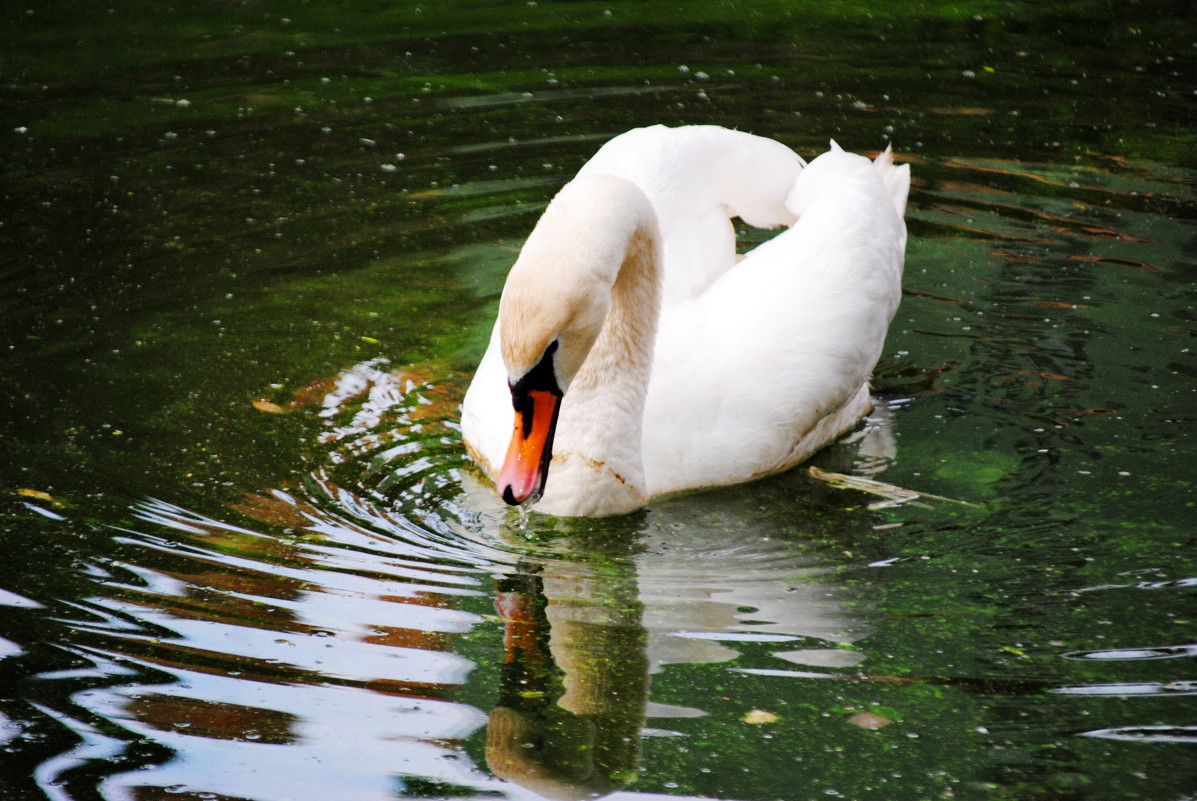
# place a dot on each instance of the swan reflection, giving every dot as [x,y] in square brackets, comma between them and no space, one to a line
[583,638]
[601,609]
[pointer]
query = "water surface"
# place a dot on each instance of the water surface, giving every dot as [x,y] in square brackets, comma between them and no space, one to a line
[250,254]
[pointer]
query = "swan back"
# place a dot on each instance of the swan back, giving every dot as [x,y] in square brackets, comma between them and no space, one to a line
[697,178]
[896,179]
[773,360]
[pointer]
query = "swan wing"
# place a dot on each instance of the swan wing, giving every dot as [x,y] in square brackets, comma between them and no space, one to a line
[772,361]
[697,178]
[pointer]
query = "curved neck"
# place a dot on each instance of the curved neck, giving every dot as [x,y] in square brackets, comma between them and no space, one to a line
[598,450]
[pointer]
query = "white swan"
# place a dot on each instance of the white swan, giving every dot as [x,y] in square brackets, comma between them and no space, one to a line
[635,356]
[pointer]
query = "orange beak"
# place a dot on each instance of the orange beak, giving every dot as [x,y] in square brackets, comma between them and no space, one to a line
[526,468]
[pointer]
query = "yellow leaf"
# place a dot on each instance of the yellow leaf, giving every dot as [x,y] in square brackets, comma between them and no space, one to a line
[760,716]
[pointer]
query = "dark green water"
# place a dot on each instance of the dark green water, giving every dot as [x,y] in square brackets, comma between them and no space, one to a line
[311,207]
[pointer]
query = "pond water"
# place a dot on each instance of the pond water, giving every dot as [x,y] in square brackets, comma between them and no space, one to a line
[250,254]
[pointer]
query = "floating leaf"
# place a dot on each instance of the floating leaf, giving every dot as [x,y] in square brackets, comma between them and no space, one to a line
[760,716]
[1080,412]
[1053,304]
[267,406]
[869,720]
[1048,376]
[41,496]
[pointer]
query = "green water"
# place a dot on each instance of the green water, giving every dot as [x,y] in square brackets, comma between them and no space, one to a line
[311,207]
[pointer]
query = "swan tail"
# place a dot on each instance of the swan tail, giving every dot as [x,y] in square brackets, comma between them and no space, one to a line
[896,179]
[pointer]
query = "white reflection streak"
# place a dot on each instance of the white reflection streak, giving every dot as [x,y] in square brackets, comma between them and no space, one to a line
[94,747]
[334,742]
[1152,734]
[1129,689]
[154,510]
[1136,654]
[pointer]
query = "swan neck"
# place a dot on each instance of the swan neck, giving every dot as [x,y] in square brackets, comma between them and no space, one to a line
[622,354]
[599,442]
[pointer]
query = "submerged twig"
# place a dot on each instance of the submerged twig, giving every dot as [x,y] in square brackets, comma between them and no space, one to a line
[893,494]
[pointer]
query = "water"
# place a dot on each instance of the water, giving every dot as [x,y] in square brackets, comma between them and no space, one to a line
[249,256]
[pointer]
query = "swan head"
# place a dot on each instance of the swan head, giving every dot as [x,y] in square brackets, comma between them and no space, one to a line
[554,306]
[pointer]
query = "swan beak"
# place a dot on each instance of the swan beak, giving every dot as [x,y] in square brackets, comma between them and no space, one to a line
[526,468]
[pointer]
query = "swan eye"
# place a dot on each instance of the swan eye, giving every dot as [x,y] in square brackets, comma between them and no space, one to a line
[541,378]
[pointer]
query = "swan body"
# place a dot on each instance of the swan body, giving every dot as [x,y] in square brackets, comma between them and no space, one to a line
[636,355]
